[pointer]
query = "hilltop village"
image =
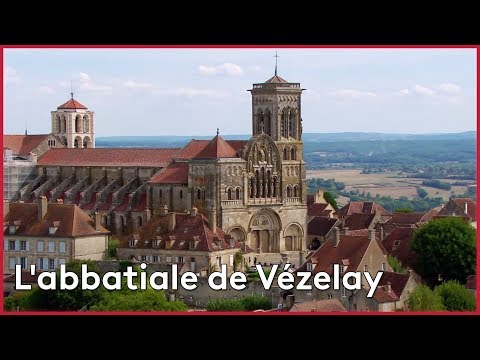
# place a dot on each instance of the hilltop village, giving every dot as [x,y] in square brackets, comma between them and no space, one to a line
[211,203]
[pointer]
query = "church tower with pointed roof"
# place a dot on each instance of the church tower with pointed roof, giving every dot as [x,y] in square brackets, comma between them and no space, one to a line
[74,124]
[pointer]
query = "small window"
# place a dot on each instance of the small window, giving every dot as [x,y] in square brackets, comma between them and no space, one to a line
[384,266]
[23,262]
[204,194]
[341,268]
[396,243]
[143,258]
[51,246]
[40,247]
[40,264]
[168,259]
[155,258]
[229,194]
[62,247]
[309,267]
[160,193]
[343,291]
[330,296]
[51,264]
[131,243]
[12,263]
[181,194]
[231,260]
[155,243]
[11,245]
[237,194]
[199,194]
[219,262]
[365,268]
[180,260]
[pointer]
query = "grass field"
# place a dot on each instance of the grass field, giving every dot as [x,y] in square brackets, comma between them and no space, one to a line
[384,184]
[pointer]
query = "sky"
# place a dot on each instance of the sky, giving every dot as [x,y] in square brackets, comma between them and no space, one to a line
[195,91]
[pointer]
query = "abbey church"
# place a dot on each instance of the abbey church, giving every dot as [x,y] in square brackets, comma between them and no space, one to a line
[253,191]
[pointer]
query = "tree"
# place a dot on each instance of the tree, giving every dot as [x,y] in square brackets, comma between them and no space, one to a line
[112,248]
[139,300]
[330,199]
[396,264]
[424,299]
[455,297]
[422,193]
[445,250]
[403,210]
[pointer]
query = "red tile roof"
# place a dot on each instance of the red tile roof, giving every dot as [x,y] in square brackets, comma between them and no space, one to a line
[72,104]
[186,230]
[366,207]
[457,207]
[276,79]
[382,295]
[397,281]
[175,173]
[357,221]
[398,243]
[108,157]
[400,218]
[318,306]
[73,222]
[26,277]
[237,144]
[471,282]
[217,148]
[192,149]
[316,209]
[320,226]
[22,144]
[350,248]
[310,199]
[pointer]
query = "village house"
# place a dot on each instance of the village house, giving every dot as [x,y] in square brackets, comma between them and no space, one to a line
[364,207]
[318,206]
[463,207]
[48,235]
[189,240]
[352,253]
[413,219]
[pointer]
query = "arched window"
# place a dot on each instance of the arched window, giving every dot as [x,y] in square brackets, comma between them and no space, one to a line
[289,192]
[75,143]
[181,194]
[229,192]
[204,193]
[292,154]
[199,194]
[85,142]
[268,122]
[237,193]
[160,193]
[252,187]
[84,124]
[285,154]
[78,124]
[274,187]
[59,123]
[295,191]
[139,221]
[260,121]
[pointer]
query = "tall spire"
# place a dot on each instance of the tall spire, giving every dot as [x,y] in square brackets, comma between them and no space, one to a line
[71,88]
[276,58]
[218,131]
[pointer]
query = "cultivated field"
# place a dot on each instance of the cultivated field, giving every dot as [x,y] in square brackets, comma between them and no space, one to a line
[385,184]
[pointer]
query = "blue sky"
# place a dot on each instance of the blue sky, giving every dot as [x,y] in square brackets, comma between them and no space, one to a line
[194,91]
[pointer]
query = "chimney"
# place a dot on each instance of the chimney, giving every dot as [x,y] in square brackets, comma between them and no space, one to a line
[388,287]
[42,207]
[212,220]
[466,208]
[371,234]
[193,212]
[382,232]
[59,201]
[336,238]
[171,221]
[97,219]
[345,230]
[6,207]
[148,215]
[163,210]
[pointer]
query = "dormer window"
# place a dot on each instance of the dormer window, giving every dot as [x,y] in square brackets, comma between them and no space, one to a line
[309,267]
[132,243]
[53,228]
[12,229]
[341,268]
[154,243]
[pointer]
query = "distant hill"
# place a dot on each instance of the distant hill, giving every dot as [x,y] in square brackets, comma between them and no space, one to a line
[178,141]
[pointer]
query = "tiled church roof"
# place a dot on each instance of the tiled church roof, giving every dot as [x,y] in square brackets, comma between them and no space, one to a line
[217,148]
[276,79]
[175,173]
[72,104]
[22,144]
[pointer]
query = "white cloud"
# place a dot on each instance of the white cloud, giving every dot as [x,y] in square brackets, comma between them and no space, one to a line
[223,69]
[131,84]
[422,90]
[46,90]
[88,84]
[11,75]
[192,92]
[351,93]
[404,92]
[449,88]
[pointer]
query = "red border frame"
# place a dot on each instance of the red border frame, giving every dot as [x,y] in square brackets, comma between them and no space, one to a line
[201,313]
